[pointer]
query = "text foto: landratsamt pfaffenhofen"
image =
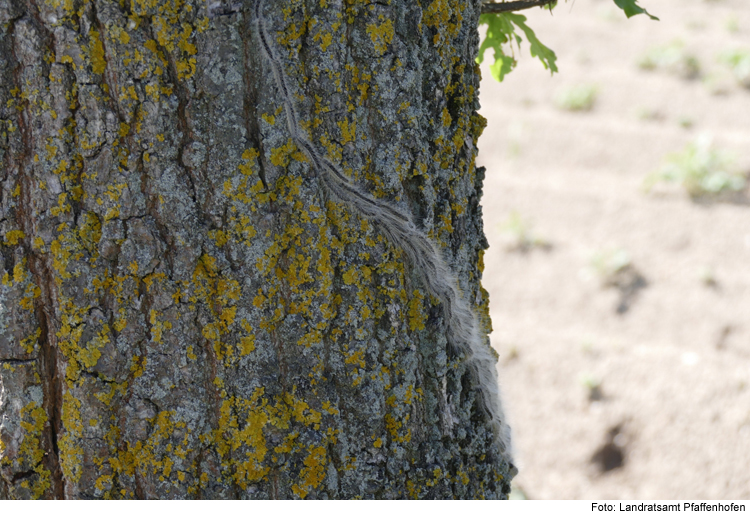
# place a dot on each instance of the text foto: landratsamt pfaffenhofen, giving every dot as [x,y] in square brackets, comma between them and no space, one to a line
[685,506]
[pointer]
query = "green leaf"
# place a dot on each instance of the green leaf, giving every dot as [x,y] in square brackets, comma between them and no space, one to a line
[632,8]
[546,55]
[501,31]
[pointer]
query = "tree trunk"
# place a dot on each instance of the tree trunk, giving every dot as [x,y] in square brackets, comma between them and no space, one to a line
[190,308]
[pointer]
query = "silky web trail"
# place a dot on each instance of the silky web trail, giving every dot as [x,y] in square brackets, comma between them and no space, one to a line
[463,330]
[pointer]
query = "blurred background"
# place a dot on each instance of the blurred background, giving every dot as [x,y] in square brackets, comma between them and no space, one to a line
[618,214]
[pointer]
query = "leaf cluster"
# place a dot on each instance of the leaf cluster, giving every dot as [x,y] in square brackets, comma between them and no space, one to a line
[504,31]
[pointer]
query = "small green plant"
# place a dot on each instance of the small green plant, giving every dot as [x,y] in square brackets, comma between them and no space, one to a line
[733,24]
[686,121]
[718,83]
[593,386]
[615,270]
[516,136]
[520,236]
[610,264]
[738,62]
[696,25]
[707,277]
[701,169]
[671,58]
[649,114]
[580,98]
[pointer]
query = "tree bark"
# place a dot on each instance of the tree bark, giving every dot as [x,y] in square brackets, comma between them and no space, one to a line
[186,311]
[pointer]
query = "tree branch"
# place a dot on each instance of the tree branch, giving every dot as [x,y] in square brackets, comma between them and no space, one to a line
[513,6]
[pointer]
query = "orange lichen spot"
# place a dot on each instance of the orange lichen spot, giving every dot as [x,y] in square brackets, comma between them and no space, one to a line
[282,155]
[219,237]
[313,473]
[122,36]
[201,25]
[324,38]
[67,59]
[417,317]
[112,212]
[158,327]
[247,344]
[381,35]
[446,118]
[149,279]
[348,130]
[350,276]
[31,452]
[249,442]
[30,343]
[61,256]
[152,46]
[259,299]
[446,224]
[186,68]
[71,452]
[247,167]
[13,237]
[329,408]
[96,52]
[31,292]
[138,365]
[356,358]
[270,119]
[62,205]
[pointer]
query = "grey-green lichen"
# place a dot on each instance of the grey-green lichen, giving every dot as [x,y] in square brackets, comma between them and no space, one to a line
[185,312]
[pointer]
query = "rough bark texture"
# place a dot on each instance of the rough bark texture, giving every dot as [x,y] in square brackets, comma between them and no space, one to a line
[184,312]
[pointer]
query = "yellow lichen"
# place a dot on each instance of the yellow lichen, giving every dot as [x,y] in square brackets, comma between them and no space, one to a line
[282,155]
[381,35]
[313,473]
[417,317]
[71,451]
[96,52]
[13,237]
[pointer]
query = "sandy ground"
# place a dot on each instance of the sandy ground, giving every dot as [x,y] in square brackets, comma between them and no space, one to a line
[640,388]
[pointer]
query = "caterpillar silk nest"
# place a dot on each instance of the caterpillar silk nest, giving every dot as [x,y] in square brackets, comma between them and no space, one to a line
[463,330]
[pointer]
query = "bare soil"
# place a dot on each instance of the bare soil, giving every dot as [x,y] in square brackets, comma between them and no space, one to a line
[634,384]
